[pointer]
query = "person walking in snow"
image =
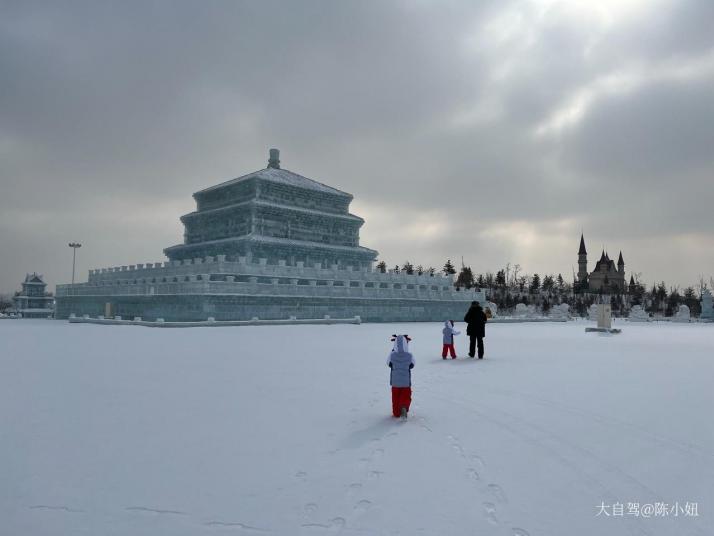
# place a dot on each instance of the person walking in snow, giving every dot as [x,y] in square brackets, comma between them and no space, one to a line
[448,339]
[401,363]
[476,328]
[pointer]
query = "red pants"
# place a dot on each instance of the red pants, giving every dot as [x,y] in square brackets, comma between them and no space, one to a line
[450,348]
[401,398]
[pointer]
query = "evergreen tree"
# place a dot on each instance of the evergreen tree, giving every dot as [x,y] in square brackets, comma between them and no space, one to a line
[661,296]
[548,283]
[448,268]
[431,271]
[561,282]
[673,302]
[581,307]
[522,281]
[408,268]
[535,284]
[465,278]
[651,297]
[480,281]
[691,301]
[419,270]
[614,304]
[382,267]
[509,303]
[396,269]
[637,293]
[545,307]
[501,278]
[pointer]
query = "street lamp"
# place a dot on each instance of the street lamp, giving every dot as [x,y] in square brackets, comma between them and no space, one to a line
[74,246]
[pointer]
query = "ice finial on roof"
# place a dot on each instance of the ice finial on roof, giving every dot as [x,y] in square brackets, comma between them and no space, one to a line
[274,160]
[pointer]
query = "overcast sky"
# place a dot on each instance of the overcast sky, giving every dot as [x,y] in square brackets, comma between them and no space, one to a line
[493,130]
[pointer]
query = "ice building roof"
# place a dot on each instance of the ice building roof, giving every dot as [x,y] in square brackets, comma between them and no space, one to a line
[282,176]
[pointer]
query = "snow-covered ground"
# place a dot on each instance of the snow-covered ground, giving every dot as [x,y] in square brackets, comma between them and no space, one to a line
[287,430]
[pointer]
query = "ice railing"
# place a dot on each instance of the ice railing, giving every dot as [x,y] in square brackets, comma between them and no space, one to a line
[218,275]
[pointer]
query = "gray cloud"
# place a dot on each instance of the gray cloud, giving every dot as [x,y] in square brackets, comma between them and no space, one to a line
[492,130]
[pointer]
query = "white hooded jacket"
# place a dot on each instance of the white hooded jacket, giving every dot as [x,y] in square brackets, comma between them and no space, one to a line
[401,361]
[449,332]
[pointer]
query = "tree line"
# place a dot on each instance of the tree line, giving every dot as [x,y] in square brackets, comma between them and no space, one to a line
[510,286]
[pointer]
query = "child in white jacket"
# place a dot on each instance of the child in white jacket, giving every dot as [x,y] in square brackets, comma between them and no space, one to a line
[401,361]
[448,339]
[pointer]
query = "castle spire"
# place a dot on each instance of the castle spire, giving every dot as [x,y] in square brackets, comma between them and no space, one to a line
[582,250]
[620,261]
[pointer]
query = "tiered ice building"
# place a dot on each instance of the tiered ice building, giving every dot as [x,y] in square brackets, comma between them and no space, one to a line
[33,301]
[273,245]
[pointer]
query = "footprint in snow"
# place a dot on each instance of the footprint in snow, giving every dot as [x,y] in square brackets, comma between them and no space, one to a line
[520,532]
[154,511]
[478,460]
[363,506]
[234,524]
[338,522]
[473,474]
[334,524]
[489,512]
[310,526]
[456,445]
[309,509]
[497,492]
[59,508]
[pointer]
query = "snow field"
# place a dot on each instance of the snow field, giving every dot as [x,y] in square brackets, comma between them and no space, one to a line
[287,430]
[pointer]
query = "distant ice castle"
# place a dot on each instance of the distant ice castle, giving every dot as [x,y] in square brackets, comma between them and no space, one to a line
[271,244]
[606,277]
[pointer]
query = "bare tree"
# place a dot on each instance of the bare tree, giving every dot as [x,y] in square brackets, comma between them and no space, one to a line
[5,301]
[516,269]
[702,283]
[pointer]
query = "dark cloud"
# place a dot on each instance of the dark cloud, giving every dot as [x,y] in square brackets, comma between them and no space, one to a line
[112,114]
[662,132]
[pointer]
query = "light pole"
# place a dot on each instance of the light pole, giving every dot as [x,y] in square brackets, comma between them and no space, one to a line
[74,246]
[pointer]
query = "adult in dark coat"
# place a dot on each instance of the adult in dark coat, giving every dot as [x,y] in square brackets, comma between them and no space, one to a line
[476,328]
